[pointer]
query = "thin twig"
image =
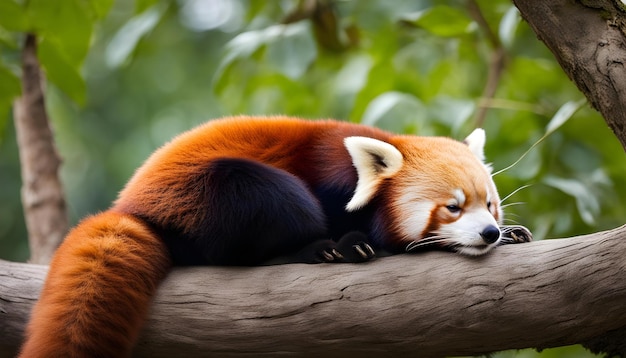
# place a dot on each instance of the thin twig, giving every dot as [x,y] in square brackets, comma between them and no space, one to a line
[497,62]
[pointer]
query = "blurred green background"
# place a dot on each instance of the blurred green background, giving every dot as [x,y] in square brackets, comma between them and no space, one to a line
[137,73]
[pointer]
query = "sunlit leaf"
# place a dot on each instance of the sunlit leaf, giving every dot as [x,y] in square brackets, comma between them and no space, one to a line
[101,7]
[442,20]
[68,22]
[394,111]
[12,16]
[241,46]
[451,111]
[143,5]
[508,26]
[127,38]
[291,49]
[10,86]
[564,113]
[586,202]
[353,75]
[379,79]
[9,39]
[4,118]
[61,71]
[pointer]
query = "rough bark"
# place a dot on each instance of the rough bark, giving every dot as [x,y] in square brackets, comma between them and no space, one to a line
[542,294]
[589,42]
[43,199]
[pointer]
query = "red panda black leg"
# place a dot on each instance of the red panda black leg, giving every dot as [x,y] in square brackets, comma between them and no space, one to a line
[515,234]
[256,212]
[320,251]
[352,247]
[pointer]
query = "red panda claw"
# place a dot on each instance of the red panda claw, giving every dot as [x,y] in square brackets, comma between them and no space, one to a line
[360,251]
[327,256]
[337,254]
[515,234]
[364,250]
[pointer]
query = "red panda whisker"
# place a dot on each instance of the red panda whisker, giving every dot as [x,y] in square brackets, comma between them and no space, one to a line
[514,192]
[512,204]
[427,242]
[510,221]
[507,229]
[507,240]
[509,215]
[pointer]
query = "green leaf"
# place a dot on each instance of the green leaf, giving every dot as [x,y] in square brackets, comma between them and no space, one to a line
[451,112]
[12,16]
[143,5]
[126,39]
[10,86]
[564,113]
[61,71]
[9,39]
[394,111]
[442,20]
[586,202]
[4,118]
[291,49]
[508,26]
[101,7]
[68,22]
[353,75]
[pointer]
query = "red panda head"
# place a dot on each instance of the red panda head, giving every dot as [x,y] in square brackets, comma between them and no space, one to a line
[438,191]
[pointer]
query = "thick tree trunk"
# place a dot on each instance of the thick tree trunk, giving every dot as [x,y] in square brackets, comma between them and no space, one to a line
[588,39]
[42,193]
[542,294]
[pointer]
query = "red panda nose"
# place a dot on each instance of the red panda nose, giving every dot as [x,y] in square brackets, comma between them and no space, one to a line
[490,234]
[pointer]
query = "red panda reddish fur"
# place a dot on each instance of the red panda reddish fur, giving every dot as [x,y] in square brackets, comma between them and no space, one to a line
[241,191]
[98,289]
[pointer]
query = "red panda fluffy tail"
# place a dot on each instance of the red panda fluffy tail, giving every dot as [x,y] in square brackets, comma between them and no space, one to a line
[98,289]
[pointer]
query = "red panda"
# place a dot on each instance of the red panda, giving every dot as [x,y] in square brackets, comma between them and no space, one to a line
[245,190]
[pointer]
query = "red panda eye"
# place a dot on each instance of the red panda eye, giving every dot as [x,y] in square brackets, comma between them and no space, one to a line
[453,208]
[489,205]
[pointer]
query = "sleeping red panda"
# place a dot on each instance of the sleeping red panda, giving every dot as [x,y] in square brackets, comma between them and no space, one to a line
[245,190]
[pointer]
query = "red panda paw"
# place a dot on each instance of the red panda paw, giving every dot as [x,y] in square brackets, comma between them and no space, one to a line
[320,251]
[515,234]
[352,247]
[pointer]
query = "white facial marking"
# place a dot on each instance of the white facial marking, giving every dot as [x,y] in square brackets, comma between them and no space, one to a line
[459,196]
[374,160]
[415,216]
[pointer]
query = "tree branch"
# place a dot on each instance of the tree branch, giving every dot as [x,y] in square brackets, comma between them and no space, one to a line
[542,294]
[42,193]
[587,38]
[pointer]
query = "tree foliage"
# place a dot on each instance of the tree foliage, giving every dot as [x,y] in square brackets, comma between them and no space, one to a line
[125,77]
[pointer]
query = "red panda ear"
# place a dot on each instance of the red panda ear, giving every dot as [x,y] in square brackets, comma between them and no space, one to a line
[476,143]
[374,161]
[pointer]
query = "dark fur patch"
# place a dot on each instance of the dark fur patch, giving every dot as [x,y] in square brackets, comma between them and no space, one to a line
[250,212]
